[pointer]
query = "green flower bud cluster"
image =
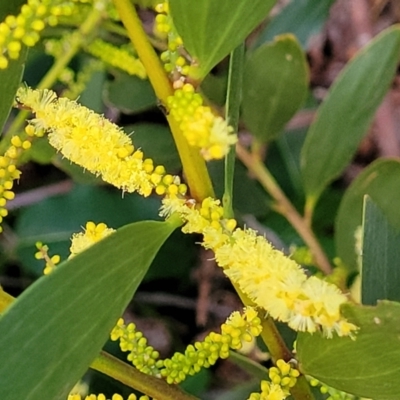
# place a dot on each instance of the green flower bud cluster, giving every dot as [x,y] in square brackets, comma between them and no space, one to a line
[333,393]
[25,28]
[174,58]
[200,126]
[238,328]
[141,355]
[120,57]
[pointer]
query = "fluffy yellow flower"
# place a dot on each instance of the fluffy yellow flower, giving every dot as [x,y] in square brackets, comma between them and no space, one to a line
[92,234]
[270,279]
[96,144]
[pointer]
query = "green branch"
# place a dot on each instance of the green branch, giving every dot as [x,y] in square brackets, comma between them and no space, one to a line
[194,166]
[130,376]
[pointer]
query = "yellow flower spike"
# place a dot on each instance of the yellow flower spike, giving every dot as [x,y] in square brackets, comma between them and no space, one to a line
[91,141]
[271,280]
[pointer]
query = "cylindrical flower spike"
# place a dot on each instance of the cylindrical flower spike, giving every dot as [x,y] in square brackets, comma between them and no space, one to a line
[270,279]
[96,144]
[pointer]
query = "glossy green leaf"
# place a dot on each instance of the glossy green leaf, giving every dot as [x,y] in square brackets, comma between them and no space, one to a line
[130,94]
[212,29]
[53,331]
[380,256]
[10,79]
[303,19]
[346,113]
[381,181]
[367,366]
[274,86]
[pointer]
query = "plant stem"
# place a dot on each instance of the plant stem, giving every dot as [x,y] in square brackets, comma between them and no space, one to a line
[285,207]
[232,110]
[75,42]
[147,384]
[277,348]
[194,166]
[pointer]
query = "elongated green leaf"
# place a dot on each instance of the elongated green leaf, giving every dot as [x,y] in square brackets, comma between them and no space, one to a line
[381,181]
[343,118]
[380,256]
[53,331]
[367,366]
[275,85]
[212,29]
[302,18]
[10,79]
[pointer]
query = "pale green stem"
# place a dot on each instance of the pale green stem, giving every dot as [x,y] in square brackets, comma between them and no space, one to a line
[77,40]
[285,207]
[232,110]
[130,376]
[194,166]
